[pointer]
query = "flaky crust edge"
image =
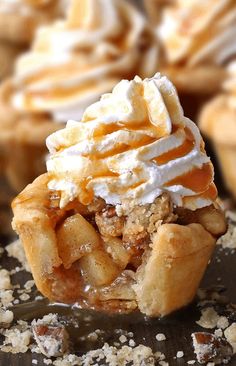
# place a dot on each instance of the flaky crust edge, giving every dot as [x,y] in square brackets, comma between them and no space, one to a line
[171,275]
[166,281]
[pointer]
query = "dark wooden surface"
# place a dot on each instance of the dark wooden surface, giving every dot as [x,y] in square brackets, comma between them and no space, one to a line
[177,327]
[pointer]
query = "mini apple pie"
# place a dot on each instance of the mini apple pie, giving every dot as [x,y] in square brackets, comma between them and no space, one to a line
[19,20]
[217,122]
[126,216]
[198,38]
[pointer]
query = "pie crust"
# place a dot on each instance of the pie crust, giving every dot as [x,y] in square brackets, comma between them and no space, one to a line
[90,255]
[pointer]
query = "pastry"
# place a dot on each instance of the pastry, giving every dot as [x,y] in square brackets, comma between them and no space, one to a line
[217,121]
[18,21]
[199,41]
[126,216]
[71,64]
[198,37]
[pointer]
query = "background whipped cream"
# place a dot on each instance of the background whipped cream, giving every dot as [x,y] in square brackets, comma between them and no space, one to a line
[73,62]
[131,146]
[26,7]
[199,31]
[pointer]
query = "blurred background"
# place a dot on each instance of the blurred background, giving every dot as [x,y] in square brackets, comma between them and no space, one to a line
[59,56]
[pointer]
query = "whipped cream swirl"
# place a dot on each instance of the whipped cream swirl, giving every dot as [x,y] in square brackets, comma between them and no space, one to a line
[27,7]
[73,62]
[131,146]
[196,32]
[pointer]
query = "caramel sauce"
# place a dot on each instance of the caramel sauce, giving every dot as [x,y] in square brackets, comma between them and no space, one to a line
[121,148]
[178,152]
[86,195]
[211,193]
[198,179]
[105,129]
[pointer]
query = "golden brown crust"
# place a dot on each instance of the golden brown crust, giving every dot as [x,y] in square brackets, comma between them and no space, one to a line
[32,223]
[177,263]
[201,79]
[218,122]
[213,119]
[173,263]
[212,218]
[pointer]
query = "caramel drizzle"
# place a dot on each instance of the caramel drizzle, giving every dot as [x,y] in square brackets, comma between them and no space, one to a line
[121,148]
[198,179]
[210,194]
[178,152]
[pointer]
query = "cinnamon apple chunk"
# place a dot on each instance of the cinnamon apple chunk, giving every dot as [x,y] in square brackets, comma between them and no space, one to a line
[75,238]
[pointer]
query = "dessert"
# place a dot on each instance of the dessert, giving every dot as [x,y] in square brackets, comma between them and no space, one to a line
[71,63]
[199,40]
[126,216]
[18,21]
[218,122]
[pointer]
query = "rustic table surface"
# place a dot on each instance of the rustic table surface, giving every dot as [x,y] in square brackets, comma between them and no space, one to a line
[177,327]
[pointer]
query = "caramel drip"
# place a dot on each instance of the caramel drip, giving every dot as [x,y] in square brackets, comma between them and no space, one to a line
[121,148]
[105,129]
[198,179]
[86,195]
[179,151]
[210,194]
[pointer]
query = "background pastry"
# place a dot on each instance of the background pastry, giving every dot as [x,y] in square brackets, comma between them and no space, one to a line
[218,122]
[18,21]
[154,9]
[126,216]
[198,36]
[71,64]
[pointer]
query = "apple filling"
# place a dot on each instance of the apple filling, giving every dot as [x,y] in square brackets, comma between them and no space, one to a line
[101,249]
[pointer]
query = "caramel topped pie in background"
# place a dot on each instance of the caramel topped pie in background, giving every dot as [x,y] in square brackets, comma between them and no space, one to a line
[217,121]
[198,36]
[71,63]
[126,217]
[19,20]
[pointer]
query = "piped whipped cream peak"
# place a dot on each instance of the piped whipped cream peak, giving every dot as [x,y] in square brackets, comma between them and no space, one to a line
[74,61]
[130,147]
[198,32]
